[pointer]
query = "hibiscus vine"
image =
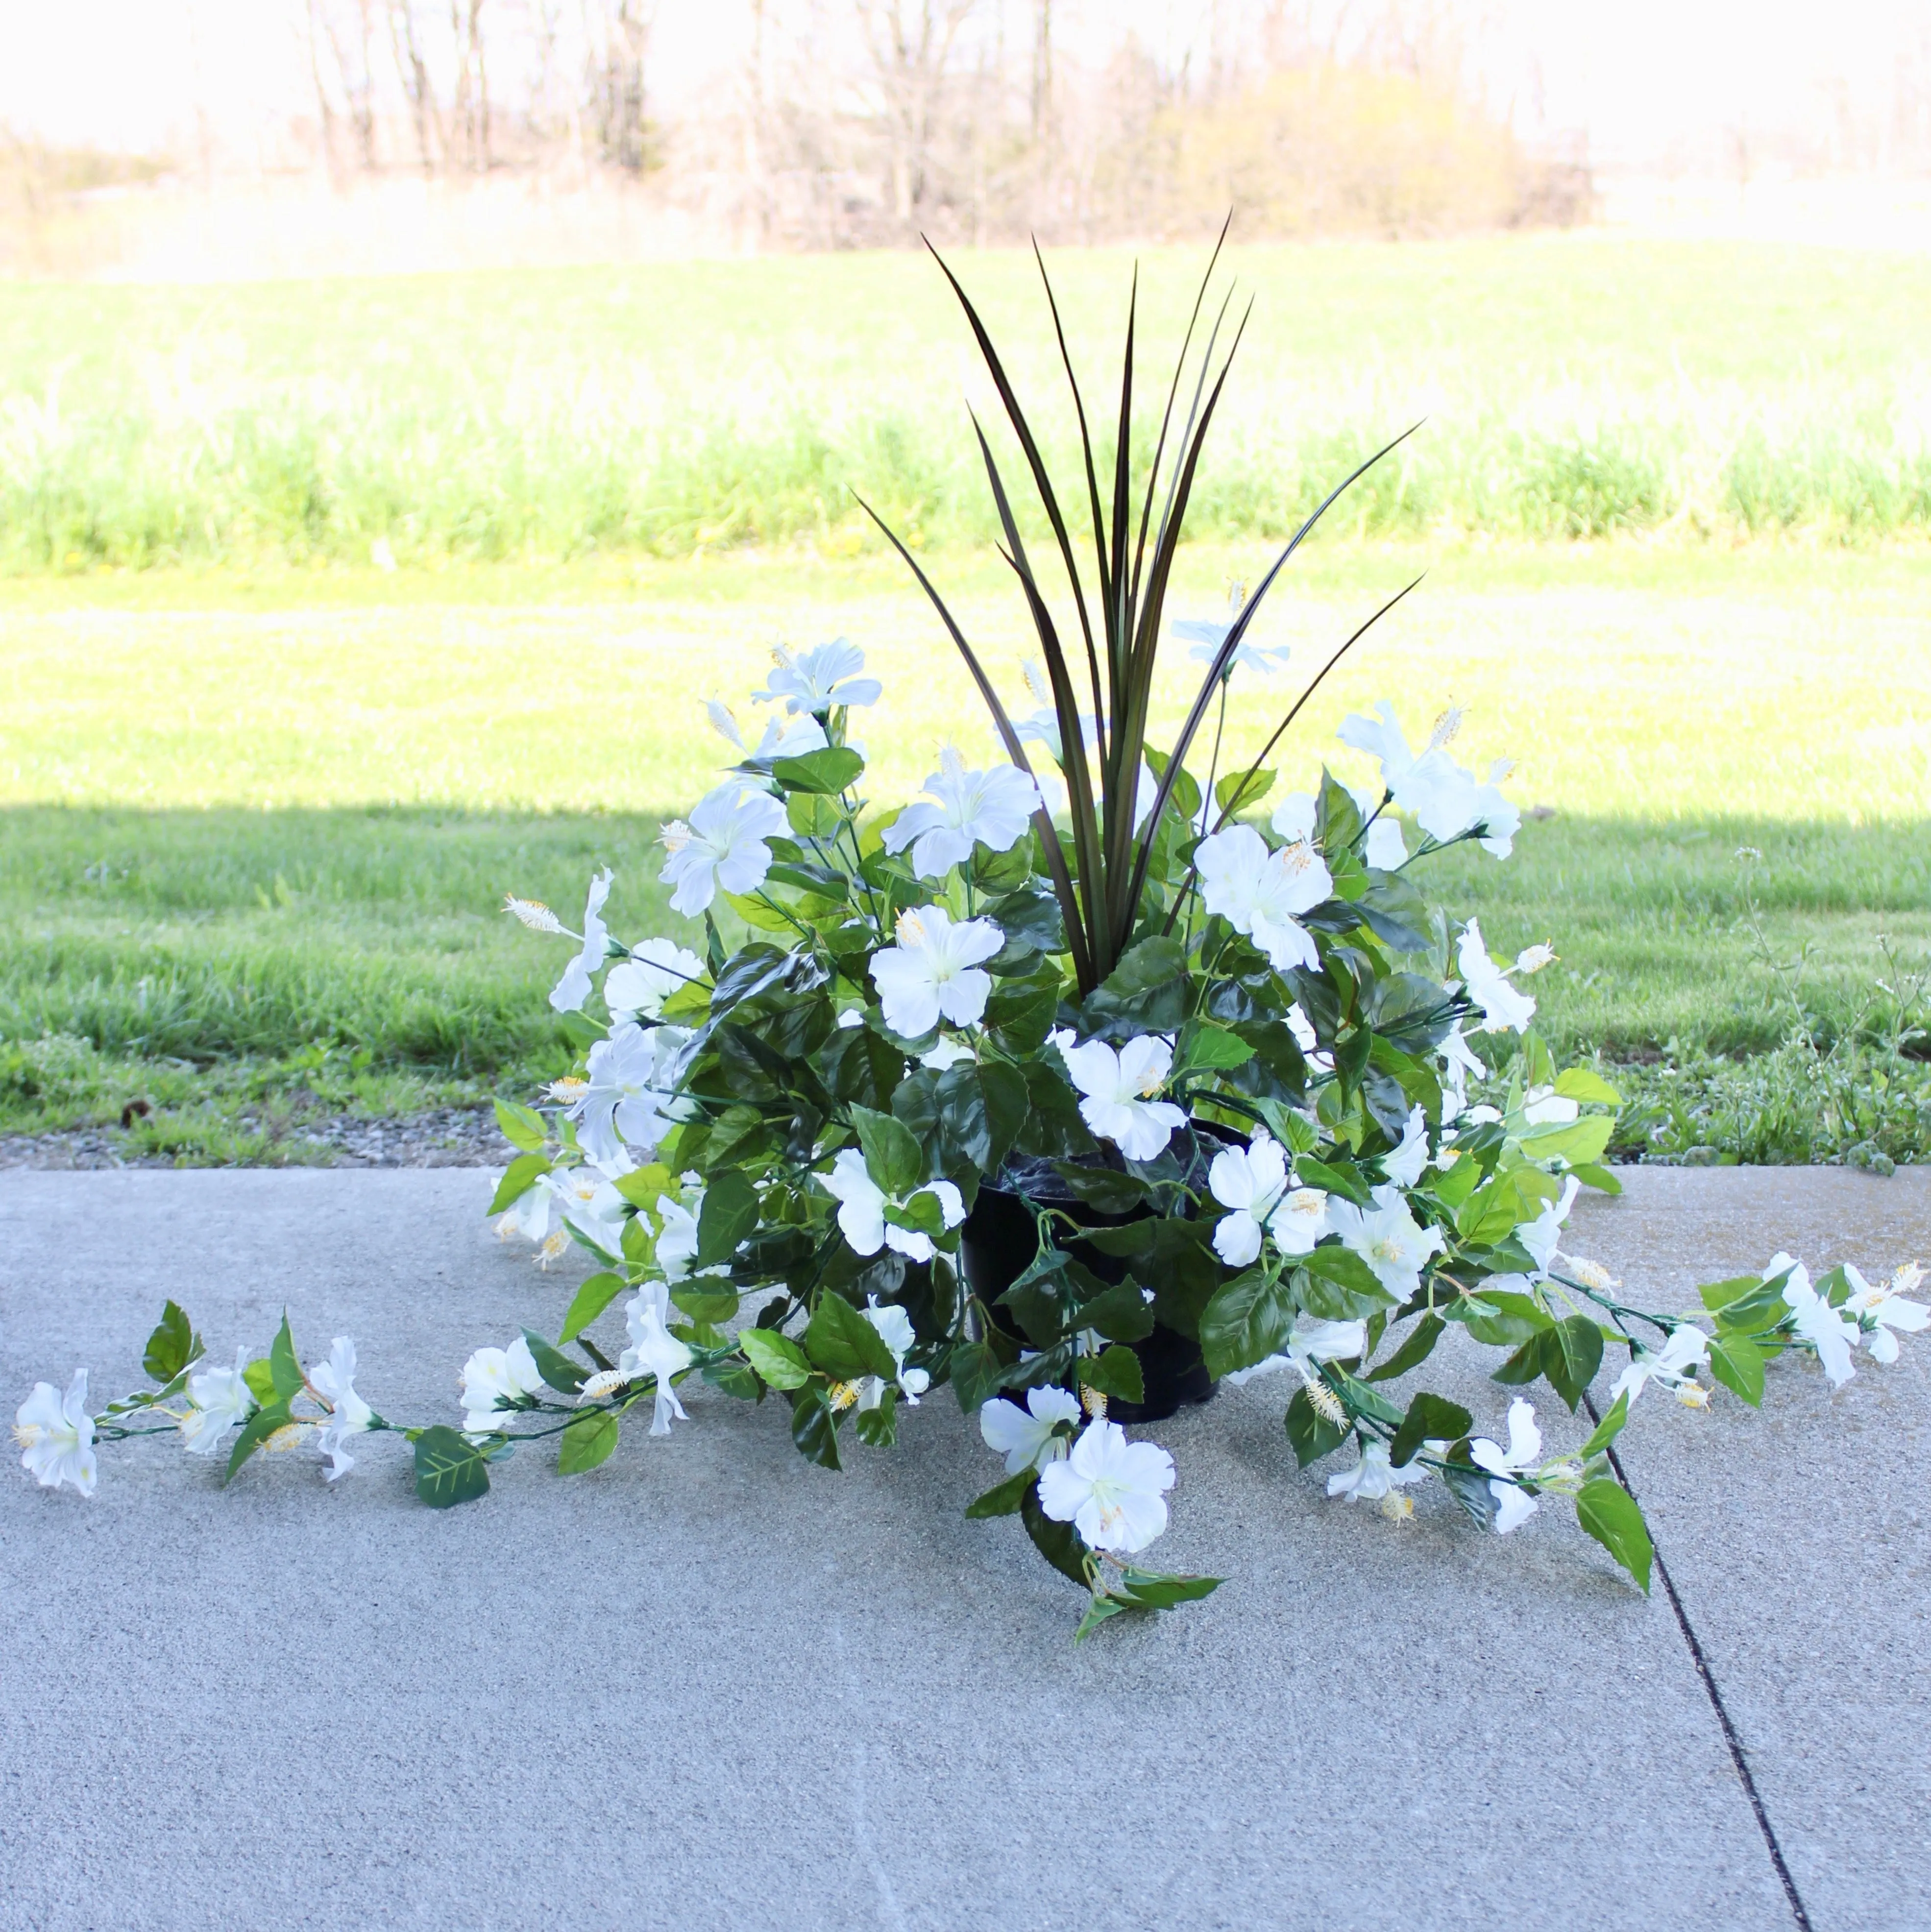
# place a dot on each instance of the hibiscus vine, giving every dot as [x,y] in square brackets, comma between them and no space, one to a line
[1082,1088]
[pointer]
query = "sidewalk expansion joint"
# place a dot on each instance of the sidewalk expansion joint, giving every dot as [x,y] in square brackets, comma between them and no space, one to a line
[1733,1743]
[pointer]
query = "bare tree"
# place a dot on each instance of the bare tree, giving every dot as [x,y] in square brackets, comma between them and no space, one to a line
[911,44]
[618,34]
[411,70]
[470,109]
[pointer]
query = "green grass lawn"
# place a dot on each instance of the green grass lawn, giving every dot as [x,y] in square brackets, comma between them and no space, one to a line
[255,841]
[331,611]
[1573,385]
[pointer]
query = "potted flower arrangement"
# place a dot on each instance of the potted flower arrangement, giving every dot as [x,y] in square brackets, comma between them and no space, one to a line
[1089,1079]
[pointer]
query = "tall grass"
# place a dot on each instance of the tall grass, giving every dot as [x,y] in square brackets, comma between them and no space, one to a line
[1575,388]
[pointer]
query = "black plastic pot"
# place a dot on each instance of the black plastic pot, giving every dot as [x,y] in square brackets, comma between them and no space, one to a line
[1000,1241]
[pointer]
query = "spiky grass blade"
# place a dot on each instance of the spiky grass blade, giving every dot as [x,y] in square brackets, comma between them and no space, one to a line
[1049,835]
[1236,632]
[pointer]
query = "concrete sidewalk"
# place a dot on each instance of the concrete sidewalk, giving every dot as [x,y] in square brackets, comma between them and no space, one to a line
[709,1686]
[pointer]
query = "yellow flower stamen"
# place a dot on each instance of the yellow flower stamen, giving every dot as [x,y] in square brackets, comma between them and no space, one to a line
[285,1437]
[1397,1507]
[26,1434]
[569,1090]
[843,1395]
[1327,1404]
[1592,1274]
[1693,1395]
[1094,1402]
[554,1245]
[910,929]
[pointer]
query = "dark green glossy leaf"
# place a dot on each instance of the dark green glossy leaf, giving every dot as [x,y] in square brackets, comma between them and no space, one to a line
[1114,1372]
[1121,1314]
[843,1343]
[1572,1353]
[1412,1353]
[896,1162]
[977,1376]
[1003,1498]
[815,1429]
[1059,1542]
[1312,1434]
[1247,1320]
[728,1216]
[1429,1417]
[449,1469]
[1338,1286]
[558,1370]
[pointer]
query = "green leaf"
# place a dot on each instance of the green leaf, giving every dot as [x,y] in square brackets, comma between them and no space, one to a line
[812,816]
[1524,1365]
[260,1380]
[1428,1417]
[878,1427]
[1337,1284]
[1609,1513]
[815,1429]
[642,1185]
[977,1376]
[521,1174]
[1003,1498]
[1101,1607]
[1580,1141]
[1121,1314]
[1019,1014]
[895,1160]
[729,1213]
[1206,1048]
[1146,992]
[1312,1434]
[173,1346]
[449,1470]
[1103,1188]
[1345,1181]
[558,1370]
[1412,1353]
[264,1424]
[522,1126]
[284,1365]
[596,1293]
[1239,789]
[1502,1318]
[1151,1590]
[1606,1431]
[777,1358]
[1572,1353]
[587,1441]
[705,1302]
[1577,1083]
[1115,1371]
[840,1342]
[823,772]
[1737,1363]
[1059,1542]
[1747,1303]
[1592,1174]
[1246,1322]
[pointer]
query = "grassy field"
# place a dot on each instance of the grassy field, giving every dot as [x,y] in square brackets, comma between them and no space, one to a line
[330,612]
[1574,386]
[255,846]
